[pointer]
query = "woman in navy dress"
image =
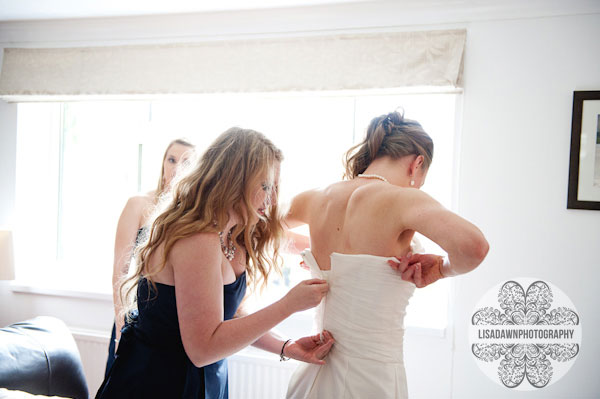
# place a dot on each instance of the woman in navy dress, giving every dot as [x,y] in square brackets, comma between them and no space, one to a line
[218,233]
[132,227]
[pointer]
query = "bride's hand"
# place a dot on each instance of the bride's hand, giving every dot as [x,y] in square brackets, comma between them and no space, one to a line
[419,269]
[310,349]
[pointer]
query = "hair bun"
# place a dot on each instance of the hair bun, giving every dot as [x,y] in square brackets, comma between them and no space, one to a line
[396,117]
[392,120]
[387,125]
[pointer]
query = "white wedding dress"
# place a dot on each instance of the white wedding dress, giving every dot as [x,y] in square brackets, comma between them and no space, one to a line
[364,311]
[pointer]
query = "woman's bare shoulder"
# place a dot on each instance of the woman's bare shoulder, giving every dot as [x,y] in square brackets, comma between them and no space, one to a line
[199,240]
[201,245]
[141,202]
[142,198]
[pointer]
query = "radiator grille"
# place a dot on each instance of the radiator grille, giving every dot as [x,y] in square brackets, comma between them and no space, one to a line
[253,377]
[93,348]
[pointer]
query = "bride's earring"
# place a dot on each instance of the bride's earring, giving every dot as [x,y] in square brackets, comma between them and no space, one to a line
[412,182]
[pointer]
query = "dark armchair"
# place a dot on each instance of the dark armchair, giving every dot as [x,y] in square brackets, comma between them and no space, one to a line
[39,356]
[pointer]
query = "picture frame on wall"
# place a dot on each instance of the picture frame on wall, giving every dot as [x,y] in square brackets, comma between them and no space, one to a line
[584,164]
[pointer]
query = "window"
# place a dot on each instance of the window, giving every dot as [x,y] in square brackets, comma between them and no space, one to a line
[78,162]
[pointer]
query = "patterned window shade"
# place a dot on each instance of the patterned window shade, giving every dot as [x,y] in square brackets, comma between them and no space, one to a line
[333,62]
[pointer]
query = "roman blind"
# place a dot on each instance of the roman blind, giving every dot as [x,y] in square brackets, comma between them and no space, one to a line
[327,62]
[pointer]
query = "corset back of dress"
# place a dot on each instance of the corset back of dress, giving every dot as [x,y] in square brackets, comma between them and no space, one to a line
[365,306]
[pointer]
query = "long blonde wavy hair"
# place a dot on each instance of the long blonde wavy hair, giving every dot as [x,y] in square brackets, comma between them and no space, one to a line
[224,178]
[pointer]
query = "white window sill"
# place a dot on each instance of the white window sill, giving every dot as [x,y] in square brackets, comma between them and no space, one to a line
[63,290]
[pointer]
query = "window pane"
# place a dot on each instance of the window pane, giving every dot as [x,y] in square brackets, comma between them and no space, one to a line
[36,188]
[99,172]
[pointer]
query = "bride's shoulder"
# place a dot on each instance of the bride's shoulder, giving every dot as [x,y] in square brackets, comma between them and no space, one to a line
[323,191]
[334,187]
[387,194]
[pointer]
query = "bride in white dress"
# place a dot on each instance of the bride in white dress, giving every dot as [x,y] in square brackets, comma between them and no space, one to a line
[357,228]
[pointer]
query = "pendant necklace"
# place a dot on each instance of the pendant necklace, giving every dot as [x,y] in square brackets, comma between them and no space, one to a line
[229,249]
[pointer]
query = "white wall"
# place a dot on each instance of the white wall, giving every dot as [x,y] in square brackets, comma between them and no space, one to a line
[521,67]
[8,151]
[519,79]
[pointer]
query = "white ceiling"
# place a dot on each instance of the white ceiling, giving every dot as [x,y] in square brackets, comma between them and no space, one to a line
[11,10]
[28,10]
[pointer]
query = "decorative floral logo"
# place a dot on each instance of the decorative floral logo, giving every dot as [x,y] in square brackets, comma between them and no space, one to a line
[528,338]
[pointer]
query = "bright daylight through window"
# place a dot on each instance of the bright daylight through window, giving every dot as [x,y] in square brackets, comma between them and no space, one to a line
[79,162]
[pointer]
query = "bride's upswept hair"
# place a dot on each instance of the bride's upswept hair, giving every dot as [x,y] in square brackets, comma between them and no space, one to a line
[389,135]
[224,178]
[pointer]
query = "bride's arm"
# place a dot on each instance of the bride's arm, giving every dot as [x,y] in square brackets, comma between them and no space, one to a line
[464,243]
[297,215]
[296,242]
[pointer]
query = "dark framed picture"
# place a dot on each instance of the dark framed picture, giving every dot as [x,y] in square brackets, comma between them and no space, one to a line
[584,164]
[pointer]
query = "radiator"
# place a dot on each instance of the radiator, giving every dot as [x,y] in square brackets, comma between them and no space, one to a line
[258,377]
[251,376]
[93,348]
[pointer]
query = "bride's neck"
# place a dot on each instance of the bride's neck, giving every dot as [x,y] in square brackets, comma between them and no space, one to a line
[394,170]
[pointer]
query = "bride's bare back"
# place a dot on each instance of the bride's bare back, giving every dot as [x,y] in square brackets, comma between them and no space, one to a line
[367,216]
[350,217]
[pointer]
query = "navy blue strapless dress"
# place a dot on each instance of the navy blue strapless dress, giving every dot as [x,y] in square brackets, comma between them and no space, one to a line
[151,361]
[110,359]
